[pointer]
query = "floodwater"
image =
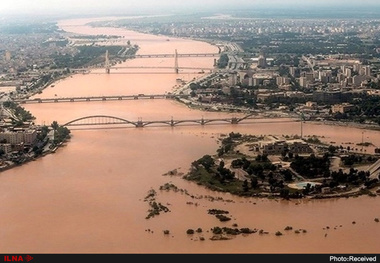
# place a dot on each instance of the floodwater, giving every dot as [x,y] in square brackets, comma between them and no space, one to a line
[89,197]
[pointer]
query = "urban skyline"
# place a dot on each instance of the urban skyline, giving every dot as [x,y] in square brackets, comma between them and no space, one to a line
[88,7]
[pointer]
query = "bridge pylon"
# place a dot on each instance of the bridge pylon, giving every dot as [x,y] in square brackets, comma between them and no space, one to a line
[107,63]
[176,70]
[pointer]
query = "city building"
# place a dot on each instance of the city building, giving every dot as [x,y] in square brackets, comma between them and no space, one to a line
[303,82]
[358,79]
[292,71]
[6,147]
[282,81]
[342,108]
[24,137]
[348,72]
[233,78]
[8,56]
[262,60]
[281,146]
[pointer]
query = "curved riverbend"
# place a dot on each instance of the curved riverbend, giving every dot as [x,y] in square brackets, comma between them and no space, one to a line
[94,194]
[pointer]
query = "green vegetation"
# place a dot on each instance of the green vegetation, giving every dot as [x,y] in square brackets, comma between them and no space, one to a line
[367,108]
[86,56]
[223,61]
[19,114]
[21,118]
[356,159]
[155,208]
[219,214]
[261,173]
[232,231]
[92,55]
[258,176]
[312,166]
[61,133]
[298,44]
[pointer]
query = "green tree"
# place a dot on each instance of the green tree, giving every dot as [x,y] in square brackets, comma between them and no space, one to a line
[245,186]
[54,125]
[207,161]
[254,182]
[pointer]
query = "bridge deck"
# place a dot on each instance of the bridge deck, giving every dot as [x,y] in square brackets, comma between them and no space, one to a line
[374,168]
[110,120]
[98,98]
[174,55]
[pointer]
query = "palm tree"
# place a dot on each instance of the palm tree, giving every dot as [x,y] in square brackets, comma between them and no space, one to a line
[54,125]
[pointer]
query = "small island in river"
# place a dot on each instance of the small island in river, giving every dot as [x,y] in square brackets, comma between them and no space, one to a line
[286,167]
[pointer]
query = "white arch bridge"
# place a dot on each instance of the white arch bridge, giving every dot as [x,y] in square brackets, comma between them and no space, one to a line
[100,120]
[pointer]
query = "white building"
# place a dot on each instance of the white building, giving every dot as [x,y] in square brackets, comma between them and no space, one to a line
[25,137]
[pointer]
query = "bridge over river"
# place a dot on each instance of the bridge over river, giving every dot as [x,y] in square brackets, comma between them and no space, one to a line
[99,98]
[97,120]
[176,67]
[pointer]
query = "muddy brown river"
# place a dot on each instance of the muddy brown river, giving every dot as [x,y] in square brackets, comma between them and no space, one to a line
[88,197]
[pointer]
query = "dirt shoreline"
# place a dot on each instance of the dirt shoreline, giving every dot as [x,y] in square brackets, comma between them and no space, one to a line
[348,124]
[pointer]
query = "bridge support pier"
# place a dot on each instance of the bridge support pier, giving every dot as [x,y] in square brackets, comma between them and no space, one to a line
[234,120]
[176,70]
[139,123]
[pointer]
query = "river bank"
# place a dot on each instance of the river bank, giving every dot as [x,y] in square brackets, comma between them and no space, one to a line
[46,148]
[240,168]
[90,197]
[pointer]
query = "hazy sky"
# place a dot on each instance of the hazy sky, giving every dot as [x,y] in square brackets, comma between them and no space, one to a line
[104,6]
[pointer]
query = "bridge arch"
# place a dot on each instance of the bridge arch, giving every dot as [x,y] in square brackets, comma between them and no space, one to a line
[158,122]
[99,120]
[107,119]
[218,120]
[189,121]
[246,117]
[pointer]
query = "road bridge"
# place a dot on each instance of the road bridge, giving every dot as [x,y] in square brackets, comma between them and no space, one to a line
[139,72]
[97,120]
[115,69]
[158,67]
[174,55]
[107,63]
[374,170]
[98,98]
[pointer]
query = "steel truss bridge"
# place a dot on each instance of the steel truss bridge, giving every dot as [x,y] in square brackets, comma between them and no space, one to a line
[97,120]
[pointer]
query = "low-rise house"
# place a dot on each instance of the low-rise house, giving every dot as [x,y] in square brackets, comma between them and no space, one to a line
[342,108]
[279,147]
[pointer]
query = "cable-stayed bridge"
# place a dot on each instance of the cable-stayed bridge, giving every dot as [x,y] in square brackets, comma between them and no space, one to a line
[108,66]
